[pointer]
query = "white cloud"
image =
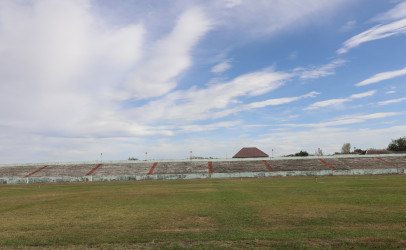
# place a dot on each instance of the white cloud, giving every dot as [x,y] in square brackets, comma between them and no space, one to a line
[233,3]
[391,101]
[382,76]
[262,104]
[169,57]
[345,120]
[374,33]
[58,59]
[398,12]
[263,18]
[320,71]
[348,26]
[202,103]
[362,95]
[340,101]
[209,127]
[221,67]
[390,92]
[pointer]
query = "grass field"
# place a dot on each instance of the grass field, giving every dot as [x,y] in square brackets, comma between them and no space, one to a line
[300,212]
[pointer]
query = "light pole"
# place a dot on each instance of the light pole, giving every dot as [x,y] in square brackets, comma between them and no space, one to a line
[101,157]
[272,153]
[191,155]
[146,156]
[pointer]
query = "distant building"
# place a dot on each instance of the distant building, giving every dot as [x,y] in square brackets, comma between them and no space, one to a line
[250,153]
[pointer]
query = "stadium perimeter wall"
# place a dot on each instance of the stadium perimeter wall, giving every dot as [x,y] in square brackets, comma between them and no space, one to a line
[351,172]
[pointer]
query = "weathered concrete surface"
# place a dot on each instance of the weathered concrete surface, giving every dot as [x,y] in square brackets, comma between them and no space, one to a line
[337,163]
[18,171]
[398,161]
[64,170]
[239,166]
[298,164]
[186,167]
[365,163]
[109,169]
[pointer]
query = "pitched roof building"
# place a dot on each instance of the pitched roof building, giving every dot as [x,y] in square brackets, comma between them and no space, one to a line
[250,153]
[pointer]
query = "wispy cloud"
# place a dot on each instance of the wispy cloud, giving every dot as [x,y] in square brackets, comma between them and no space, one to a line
[320,71]
[210,102]
[375,33]
[398,12]
[340,101]
[168,58]
[348,26]
[221,67]
[391,101]
[262,104]
[382,76]
[209,127]
[346,120]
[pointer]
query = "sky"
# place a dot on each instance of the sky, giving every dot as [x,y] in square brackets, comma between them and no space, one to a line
[82,80]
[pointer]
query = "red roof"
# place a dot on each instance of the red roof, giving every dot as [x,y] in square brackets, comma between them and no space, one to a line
[250,153]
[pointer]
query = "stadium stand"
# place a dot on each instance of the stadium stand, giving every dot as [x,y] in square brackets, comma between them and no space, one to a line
[342,165]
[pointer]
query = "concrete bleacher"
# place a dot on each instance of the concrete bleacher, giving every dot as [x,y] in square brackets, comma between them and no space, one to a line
[109,169]
[336,163]
[239,166]
[187,167]
[298,165]
[365,163]
[18,171]
[397,161]
[64,170]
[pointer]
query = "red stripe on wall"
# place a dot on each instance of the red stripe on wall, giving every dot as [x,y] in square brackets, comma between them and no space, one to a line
[390,163]
[328,164]
[93,169]
[268,166]
[152,168]
[210,167]
[36,171]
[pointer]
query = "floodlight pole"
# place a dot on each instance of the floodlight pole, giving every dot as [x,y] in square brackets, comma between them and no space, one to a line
[101,157]
[190,155]
[146,156]
[272,153]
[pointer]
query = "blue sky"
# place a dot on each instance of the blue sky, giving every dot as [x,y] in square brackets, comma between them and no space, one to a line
[79,78]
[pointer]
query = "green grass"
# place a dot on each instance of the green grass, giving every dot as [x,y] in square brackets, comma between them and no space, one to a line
[328,212]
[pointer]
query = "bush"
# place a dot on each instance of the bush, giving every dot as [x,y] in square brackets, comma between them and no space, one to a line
[398,145]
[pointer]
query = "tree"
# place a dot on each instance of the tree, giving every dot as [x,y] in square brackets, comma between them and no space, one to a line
[346,148]
[398,145]
[302,153]
[319,152]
